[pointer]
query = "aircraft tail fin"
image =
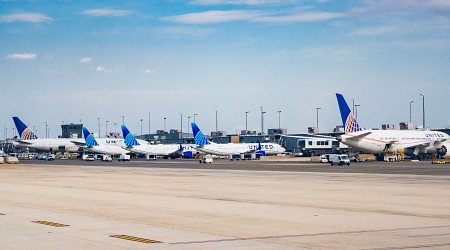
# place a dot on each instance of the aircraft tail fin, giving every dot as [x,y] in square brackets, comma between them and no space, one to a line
[129,138]
[25,132]
[90,140]
[348,120]
[199,138]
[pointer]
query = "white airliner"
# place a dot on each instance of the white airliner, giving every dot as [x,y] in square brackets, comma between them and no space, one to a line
[27,138]
[93,146]
[167,150]
[378,142]
[205,146]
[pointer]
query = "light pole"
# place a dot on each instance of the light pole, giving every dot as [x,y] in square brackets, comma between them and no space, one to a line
[194,117]
[279,118]
[356,110]
[164,124]
[423,111]
[123,120]
[353,106]
[410,111]
[115,127]
[141,125]
[317,118]
[216,124]
[98,119]
[106,127]
[189,123]
[14,132]
[246,128]
[181,126]
[46,130]
[149,123]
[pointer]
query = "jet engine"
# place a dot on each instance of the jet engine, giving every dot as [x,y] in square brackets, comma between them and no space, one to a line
[443,152]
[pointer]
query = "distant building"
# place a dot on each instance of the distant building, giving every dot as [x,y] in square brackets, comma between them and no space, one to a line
[313,130]
[218,133]
[339,129]
[277,131]
[71,130]
[248,132]
[387,126]
[406,126]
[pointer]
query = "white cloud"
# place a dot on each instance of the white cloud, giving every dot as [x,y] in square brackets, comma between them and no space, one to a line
[301,17]
[101,68]
[107,12]
[149,71]
[22,56]
[26,17]
[214,16]
[434,6]
[85,60]
[251,16]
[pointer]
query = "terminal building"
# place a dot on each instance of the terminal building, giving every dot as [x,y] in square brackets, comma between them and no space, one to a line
[71,131]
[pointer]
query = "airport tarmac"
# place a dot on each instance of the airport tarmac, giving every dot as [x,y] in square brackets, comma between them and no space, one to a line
[181,204]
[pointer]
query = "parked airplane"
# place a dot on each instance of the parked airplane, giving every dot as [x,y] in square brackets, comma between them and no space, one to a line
[378,142]
[166,150]
[29,139]
[204,145]
[93,146]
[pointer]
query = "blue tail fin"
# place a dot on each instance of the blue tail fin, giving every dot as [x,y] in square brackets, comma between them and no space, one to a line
[129,138]
[25,132]
[348,120]
[90,140]
[199,137]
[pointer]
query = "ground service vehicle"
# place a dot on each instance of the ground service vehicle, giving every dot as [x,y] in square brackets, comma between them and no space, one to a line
[206,159]
[107,158]
[124,158]
[338,159]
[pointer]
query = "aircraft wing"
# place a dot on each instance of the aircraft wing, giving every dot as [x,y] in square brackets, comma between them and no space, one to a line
[23,142]
[359,137]
[80,144]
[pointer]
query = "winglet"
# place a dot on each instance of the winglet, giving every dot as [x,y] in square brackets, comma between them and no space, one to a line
[25,132]
[90,140]
[348,120]
[129,138]
[199,137]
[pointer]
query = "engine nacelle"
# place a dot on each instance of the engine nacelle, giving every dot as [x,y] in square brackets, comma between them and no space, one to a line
[443,152]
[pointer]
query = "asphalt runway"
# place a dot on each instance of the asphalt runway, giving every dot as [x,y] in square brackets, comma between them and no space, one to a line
[182,204]
[373,167]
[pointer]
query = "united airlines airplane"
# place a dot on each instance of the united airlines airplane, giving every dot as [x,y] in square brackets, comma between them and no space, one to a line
[93,146]
[378,142]
[204,145]
[166,150]
[27,138]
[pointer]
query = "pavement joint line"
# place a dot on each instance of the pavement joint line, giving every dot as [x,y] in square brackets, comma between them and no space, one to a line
[49,223]
[431,245]
[313,235]
[2,214]
[137,239]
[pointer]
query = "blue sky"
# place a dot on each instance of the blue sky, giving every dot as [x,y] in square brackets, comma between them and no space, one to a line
[71,60]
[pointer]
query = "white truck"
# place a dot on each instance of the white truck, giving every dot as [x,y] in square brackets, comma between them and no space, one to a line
[338,159]
[124,157]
